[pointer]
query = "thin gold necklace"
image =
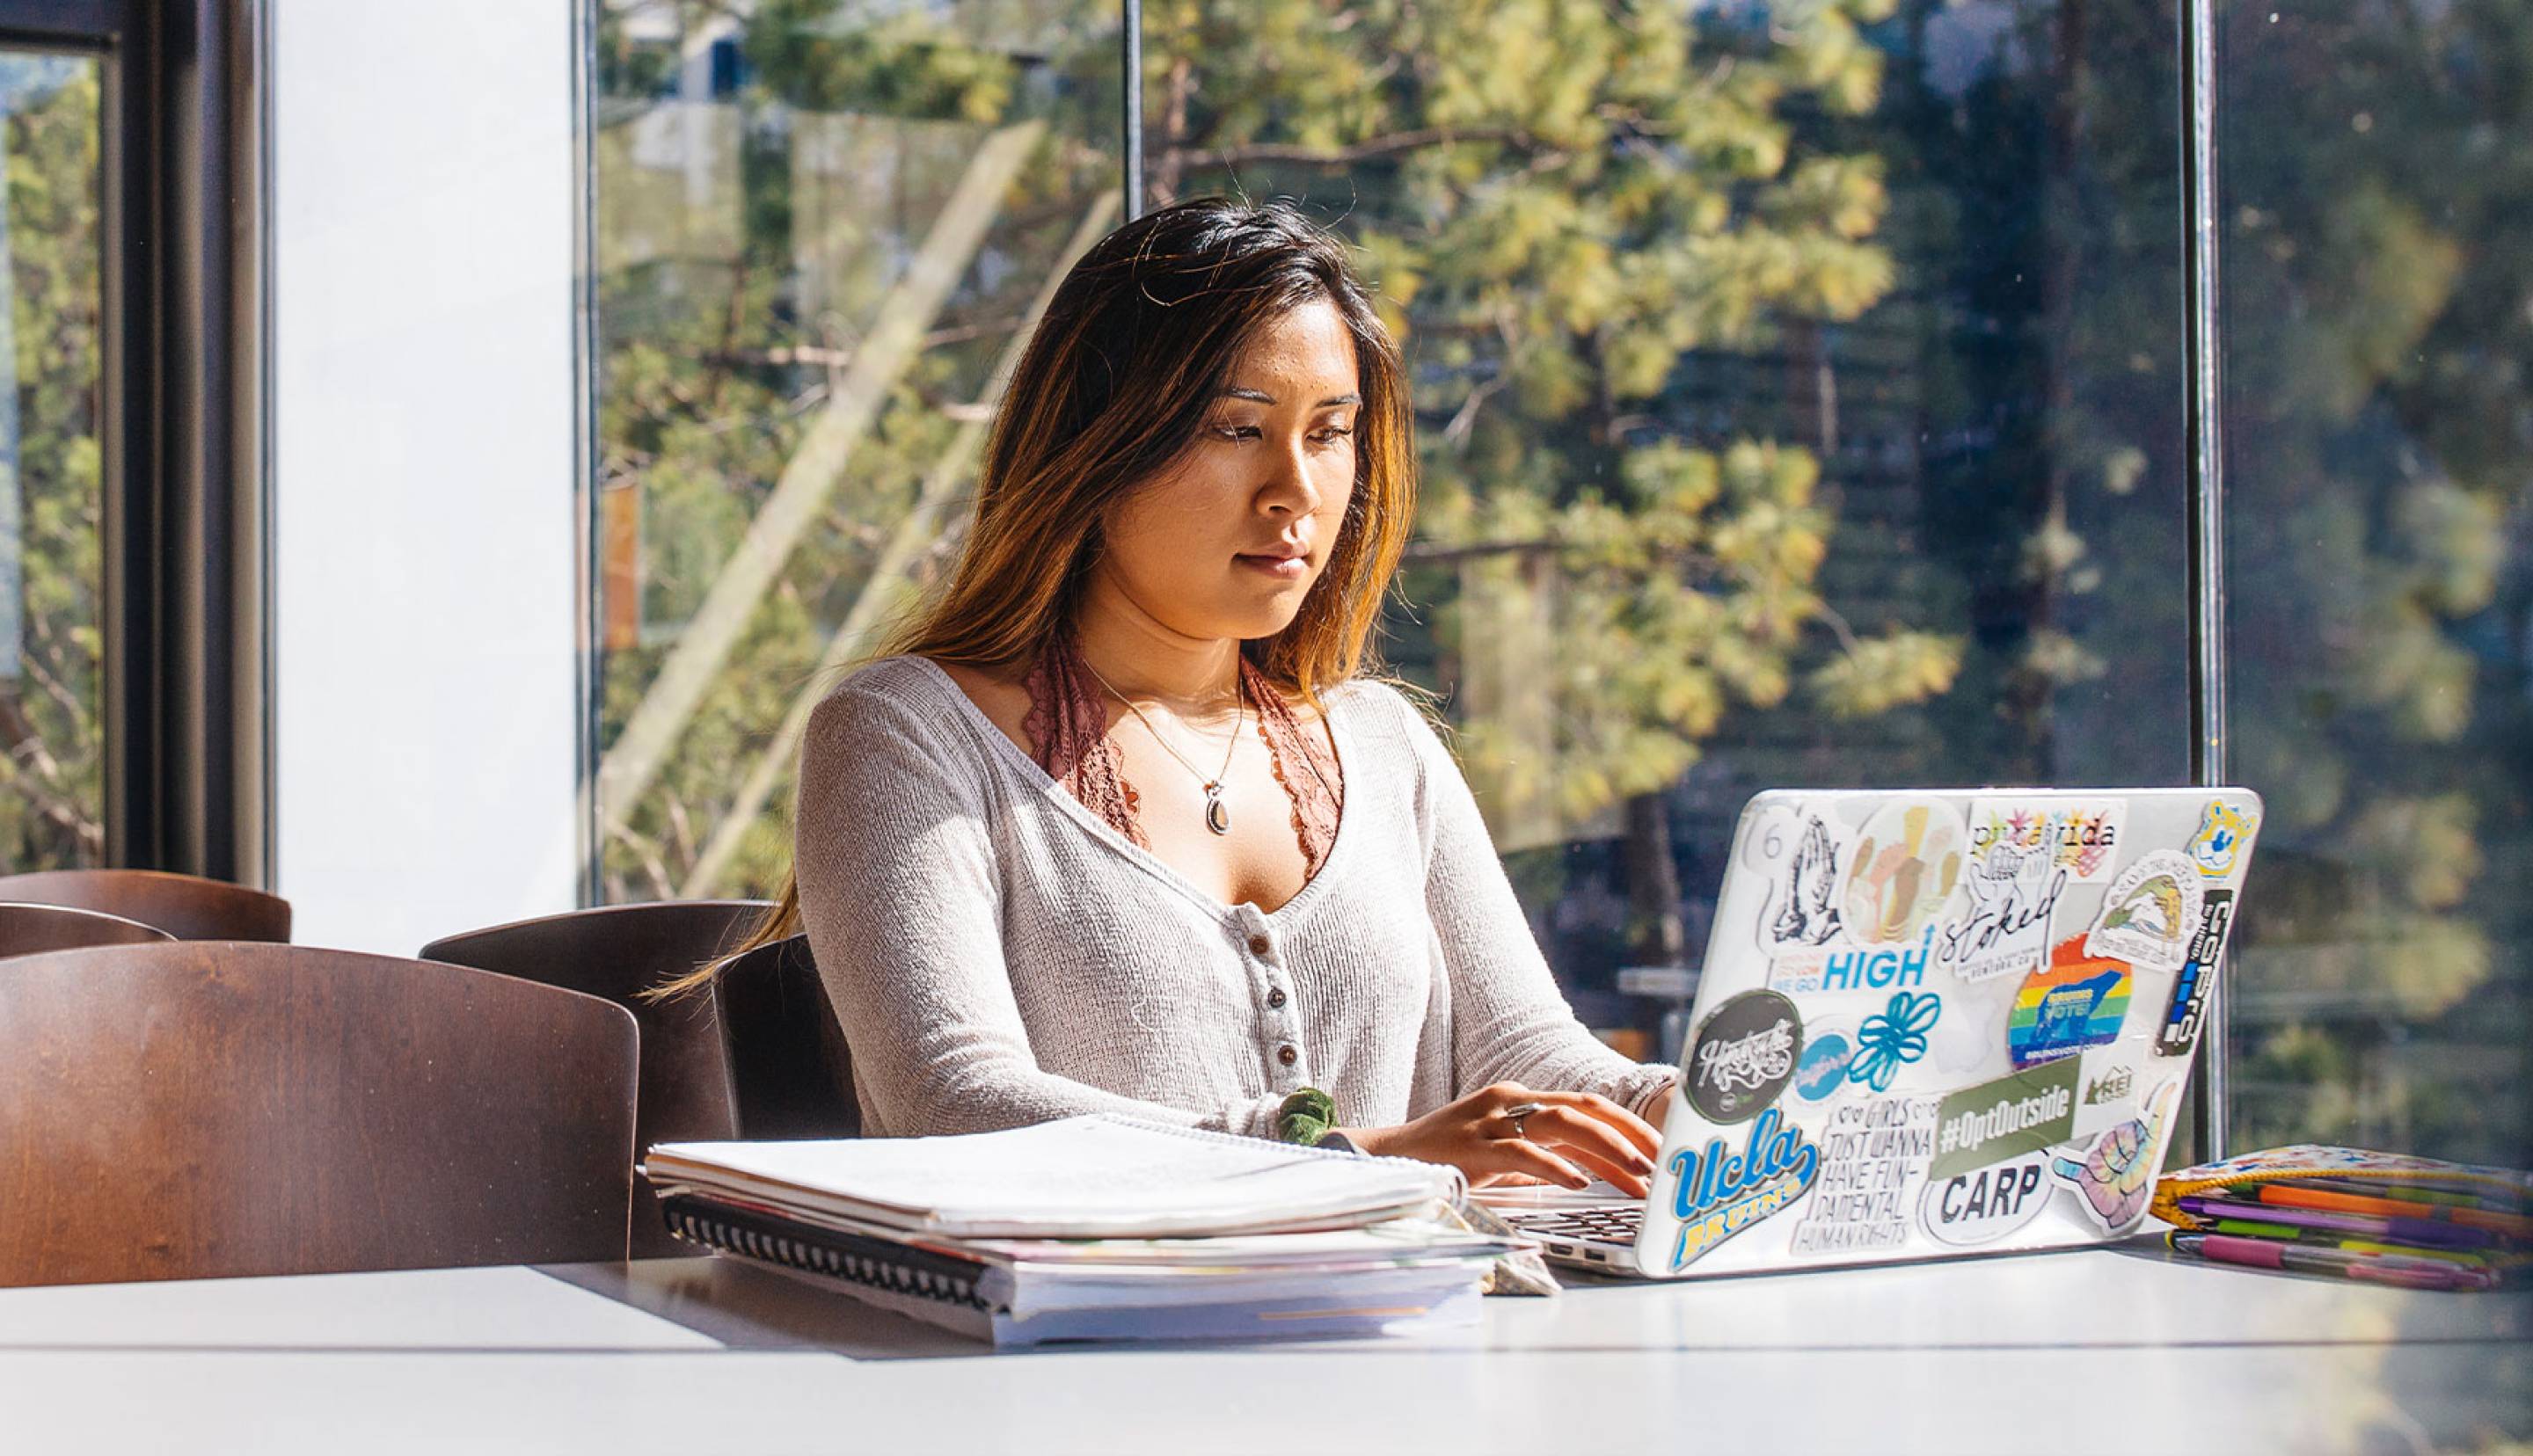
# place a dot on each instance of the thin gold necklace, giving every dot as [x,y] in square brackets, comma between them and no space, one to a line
[1216,817]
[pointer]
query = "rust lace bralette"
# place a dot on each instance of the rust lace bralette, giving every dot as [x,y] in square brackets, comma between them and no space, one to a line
[1068,733]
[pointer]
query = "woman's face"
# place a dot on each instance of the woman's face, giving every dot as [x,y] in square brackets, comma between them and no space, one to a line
[1228,540]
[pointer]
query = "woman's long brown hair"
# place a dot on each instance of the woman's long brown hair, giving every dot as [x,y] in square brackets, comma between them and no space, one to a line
[1112,386]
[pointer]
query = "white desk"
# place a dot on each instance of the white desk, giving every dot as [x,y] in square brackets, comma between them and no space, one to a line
[2101,1351]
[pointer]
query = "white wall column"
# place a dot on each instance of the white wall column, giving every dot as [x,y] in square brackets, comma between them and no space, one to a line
[426,711]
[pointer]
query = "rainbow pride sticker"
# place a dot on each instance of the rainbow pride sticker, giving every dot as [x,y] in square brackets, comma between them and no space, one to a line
[2076,1001]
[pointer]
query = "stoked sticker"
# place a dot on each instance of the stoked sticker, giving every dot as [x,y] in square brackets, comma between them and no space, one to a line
[2005,931]
[1745,1056]
[2149,913]
[1903,871]
[2076,1001]
[1969,1209]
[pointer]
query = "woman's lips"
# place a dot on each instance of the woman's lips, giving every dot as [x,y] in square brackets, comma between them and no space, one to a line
[1283,568]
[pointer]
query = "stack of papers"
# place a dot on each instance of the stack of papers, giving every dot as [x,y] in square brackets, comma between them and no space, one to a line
[2385,1218]
[1092,1228]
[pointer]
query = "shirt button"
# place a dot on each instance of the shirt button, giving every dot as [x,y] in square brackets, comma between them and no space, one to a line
[1287,1055]
[1260,945]
[1276,997]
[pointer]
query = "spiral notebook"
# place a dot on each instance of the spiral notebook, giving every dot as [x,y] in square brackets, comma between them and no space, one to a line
[1092,1228]
[1076,1177]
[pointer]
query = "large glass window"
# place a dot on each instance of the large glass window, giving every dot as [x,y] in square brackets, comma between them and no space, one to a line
[2378,352]
[1805,399]
[52,799]
[1800,395]
[824,229]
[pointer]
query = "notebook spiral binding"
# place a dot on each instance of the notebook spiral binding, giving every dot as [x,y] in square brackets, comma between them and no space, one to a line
[871,1262]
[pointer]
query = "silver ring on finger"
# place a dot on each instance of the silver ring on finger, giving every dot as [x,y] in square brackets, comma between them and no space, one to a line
[1520,1110]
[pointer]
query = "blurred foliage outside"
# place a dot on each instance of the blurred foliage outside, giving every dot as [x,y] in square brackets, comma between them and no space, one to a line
[52,797]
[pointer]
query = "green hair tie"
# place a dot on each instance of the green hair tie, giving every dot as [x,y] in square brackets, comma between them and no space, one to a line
[1305,1116]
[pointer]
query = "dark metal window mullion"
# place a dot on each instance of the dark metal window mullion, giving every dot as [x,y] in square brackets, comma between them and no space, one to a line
[2205,496]
[1131,40]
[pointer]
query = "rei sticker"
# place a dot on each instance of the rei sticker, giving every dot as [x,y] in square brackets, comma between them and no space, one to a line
[2149,913]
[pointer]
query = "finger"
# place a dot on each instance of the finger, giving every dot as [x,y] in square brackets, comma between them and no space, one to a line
[1635,1128]
[1520,1156]
[1581,1141]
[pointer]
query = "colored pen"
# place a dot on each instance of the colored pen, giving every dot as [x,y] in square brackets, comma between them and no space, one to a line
[2403,1230]
[2260,1254]
[2514,1225]
[2245,1228]
[2493,1199]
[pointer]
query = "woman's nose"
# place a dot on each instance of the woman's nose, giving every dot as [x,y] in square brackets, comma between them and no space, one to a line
[1291,487]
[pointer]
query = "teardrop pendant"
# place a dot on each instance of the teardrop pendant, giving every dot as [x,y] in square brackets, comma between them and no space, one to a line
[1216,817]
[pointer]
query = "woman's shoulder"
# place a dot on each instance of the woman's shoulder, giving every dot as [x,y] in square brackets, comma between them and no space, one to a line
[1380,712]
[907,696]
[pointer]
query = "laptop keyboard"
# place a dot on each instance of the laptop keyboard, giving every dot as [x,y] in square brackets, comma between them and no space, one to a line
[1613,1225]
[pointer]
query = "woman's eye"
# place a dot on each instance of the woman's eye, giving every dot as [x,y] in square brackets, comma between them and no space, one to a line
[1236,432]
[1335,433]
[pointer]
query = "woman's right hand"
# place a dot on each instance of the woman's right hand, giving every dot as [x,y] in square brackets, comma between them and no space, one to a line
[1572,1137]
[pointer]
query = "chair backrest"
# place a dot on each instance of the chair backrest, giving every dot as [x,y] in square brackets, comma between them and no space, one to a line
[186,906]
[29,929]
[208,1108]
[617,951]
[790,1068]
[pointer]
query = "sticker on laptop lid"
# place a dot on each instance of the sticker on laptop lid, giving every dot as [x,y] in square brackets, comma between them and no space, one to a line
[1873,1156]
[2188,1006]
[1829,1049]
[1970,1209]
[1801,854]
[2114,1177]
[2004,928]
[2108,1088]
[1717,1193]
[1894,1037]
[2081,836]
[1854,967]
[2024,1112]
[1745,1054]
[2076,1001]
[1905,867]
[2149,913]
[2225,825]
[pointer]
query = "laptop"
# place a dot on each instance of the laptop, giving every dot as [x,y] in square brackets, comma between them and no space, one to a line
[1931,1025]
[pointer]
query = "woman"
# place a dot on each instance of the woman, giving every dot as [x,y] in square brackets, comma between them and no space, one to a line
[1116,826]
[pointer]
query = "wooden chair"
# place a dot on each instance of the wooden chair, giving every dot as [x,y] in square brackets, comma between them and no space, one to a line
[205,1109]
[790,1072]
[617,951]
[29,929]
[186,906]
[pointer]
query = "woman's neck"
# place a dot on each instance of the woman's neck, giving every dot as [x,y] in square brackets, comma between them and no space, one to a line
[1138,656]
